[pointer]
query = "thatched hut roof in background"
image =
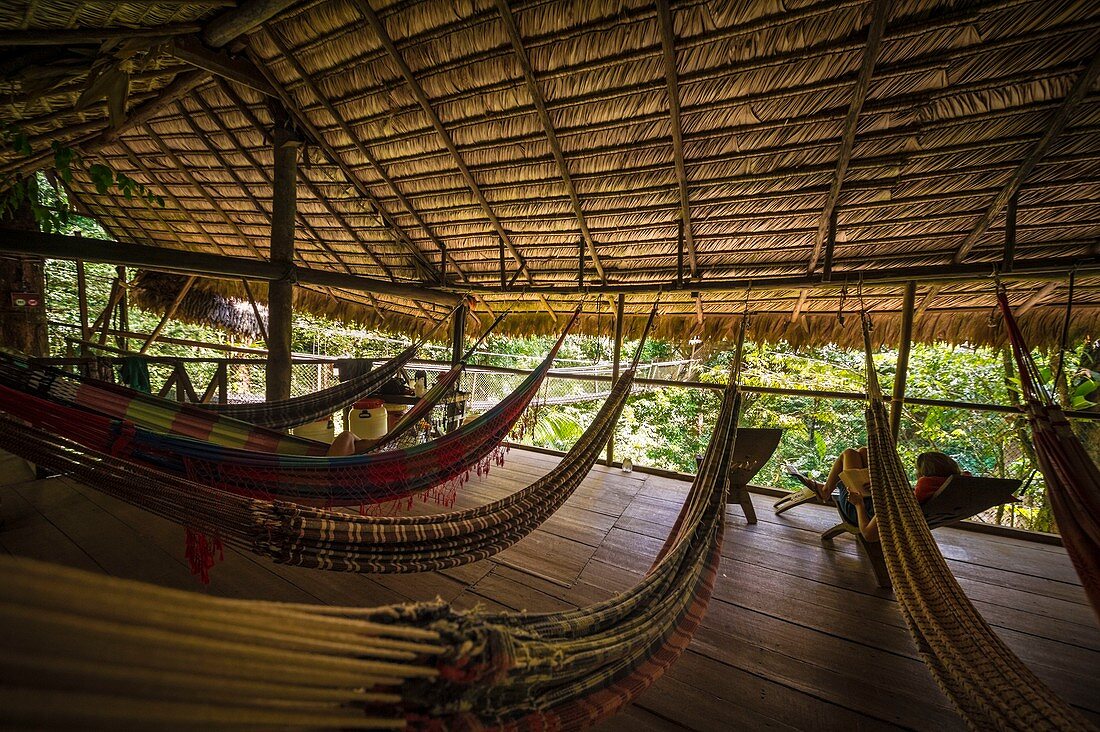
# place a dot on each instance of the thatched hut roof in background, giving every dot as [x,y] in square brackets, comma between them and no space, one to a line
[552,125]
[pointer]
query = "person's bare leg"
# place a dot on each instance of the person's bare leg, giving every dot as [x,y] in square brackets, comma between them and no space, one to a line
[344,444]
[848,460]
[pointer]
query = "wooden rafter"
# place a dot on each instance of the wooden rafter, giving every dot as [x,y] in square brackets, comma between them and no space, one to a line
[668,45]
[1040,295]
[1081,87]
[197,185]
[425,104]
[90,36]
[535,93]
[172,308]
[797,312]
[398,233]
[219,63]
[258,166]
[826,225]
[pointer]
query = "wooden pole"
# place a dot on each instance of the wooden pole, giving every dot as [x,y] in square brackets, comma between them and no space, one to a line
[458,349]
[123,307]
[82,304]
[280,293]
[168,314]
[1010,233]
[620,306]
[255,311]
[908,309]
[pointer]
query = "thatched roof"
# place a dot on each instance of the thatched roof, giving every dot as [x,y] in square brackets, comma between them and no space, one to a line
[536,128]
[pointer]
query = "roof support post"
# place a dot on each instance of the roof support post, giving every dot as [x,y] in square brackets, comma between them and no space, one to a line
[620,306]
[908,310]
[458,350]
[280,293]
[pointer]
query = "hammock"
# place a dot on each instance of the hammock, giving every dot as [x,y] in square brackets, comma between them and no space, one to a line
[296,411]
[989,686]
[148,411]
[1072,478]
[322,539]
[145,655]
[356,479]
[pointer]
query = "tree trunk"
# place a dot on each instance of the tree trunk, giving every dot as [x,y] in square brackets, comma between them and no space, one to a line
[23,295]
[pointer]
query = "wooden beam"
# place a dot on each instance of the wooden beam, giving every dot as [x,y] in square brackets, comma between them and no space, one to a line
[318,137]
[797,312]
[414,86]
[57,246]
[458,350]
[546,304]
[90,36]
[1041,269]
[668,46]
[698,307]
[1042,294]
[1081,87]
[535,93]
[123,306]
[219,63]
[240,20]
[620,307]
[82,303]
[847,141]
[172,308]
[1010,232]
[897,400]
[255,310]
[280,292]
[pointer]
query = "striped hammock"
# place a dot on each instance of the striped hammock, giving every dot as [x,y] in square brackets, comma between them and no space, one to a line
[439,465]
[1072,478]
[147,411]
[318,538]
[989,685]
[93,650]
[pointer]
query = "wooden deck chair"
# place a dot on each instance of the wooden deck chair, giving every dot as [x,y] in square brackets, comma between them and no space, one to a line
[960,497]
[752,448]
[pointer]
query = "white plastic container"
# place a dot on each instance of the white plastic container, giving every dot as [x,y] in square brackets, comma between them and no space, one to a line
[322,430]
[368,419]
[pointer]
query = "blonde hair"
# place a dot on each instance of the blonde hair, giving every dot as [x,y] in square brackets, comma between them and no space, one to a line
[936,464]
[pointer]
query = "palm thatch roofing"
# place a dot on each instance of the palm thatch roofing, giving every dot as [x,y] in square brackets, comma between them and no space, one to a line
[760,155]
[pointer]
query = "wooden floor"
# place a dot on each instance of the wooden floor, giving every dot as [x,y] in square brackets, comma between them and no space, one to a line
[797,635]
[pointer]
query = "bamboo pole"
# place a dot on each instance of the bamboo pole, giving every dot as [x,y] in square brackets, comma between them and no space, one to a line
[620,306]
[897,400]
[82,304]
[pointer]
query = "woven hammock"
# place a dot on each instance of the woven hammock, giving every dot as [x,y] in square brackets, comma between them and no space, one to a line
[96,651]
[317,538]
[1072,478]
[296,411]
[351,480]
[989,685]
[148,411]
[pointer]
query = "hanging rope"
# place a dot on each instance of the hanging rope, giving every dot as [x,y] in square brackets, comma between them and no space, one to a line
[989,686]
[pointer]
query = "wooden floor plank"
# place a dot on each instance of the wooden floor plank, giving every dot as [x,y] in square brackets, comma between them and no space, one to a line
[797,636]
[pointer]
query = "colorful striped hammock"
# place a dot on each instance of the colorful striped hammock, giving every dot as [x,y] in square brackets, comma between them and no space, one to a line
[141,654]
[989,685]
[1072,478]
[318,538]
[358,479]
[297,411]
[148,411]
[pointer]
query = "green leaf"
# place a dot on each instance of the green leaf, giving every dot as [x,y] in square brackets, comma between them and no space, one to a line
[1079,402]
[1045,374]
[1085,388]
[102,177]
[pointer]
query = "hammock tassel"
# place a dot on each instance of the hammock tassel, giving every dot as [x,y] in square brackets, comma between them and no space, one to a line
[202,553]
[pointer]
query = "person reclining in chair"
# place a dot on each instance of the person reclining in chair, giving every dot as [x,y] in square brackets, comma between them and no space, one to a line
[850,476]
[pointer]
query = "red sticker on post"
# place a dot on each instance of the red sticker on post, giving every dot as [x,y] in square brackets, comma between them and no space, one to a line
[26,299]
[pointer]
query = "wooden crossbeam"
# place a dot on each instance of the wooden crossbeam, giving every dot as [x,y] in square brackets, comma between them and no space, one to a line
[668,47]
[797,312]
[826,225]
[388,221]
[172,308]
[1042,294]
[219,63]
[425,104]
[91,36]
[255,310]
[535,93]
[1081,87]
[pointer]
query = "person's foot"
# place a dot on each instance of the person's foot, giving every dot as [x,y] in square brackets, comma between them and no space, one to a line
[805,480]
